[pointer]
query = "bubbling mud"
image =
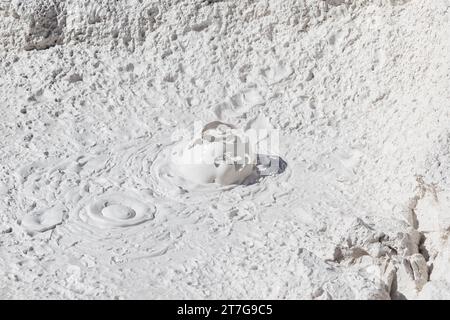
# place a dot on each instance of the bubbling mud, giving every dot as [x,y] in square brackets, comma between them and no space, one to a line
[218,154]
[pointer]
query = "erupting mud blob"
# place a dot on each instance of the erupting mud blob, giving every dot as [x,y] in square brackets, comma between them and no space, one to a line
[117,210]
[43,220]
[218,154]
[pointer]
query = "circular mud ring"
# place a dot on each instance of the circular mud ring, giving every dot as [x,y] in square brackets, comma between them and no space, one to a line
[117,211]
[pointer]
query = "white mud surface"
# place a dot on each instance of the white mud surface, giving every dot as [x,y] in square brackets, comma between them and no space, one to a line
[92,206]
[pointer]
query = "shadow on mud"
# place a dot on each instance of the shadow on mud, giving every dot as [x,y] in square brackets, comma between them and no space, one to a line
[266,165]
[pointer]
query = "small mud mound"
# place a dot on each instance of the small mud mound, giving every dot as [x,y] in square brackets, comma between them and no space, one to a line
[43,220]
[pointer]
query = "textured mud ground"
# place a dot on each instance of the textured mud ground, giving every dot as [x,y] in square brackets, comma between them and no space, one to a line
[91,91]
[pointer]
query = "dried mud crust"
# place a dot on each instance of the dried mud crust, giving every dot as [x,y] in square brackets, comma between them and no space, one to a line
[91,94]
[41,24]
